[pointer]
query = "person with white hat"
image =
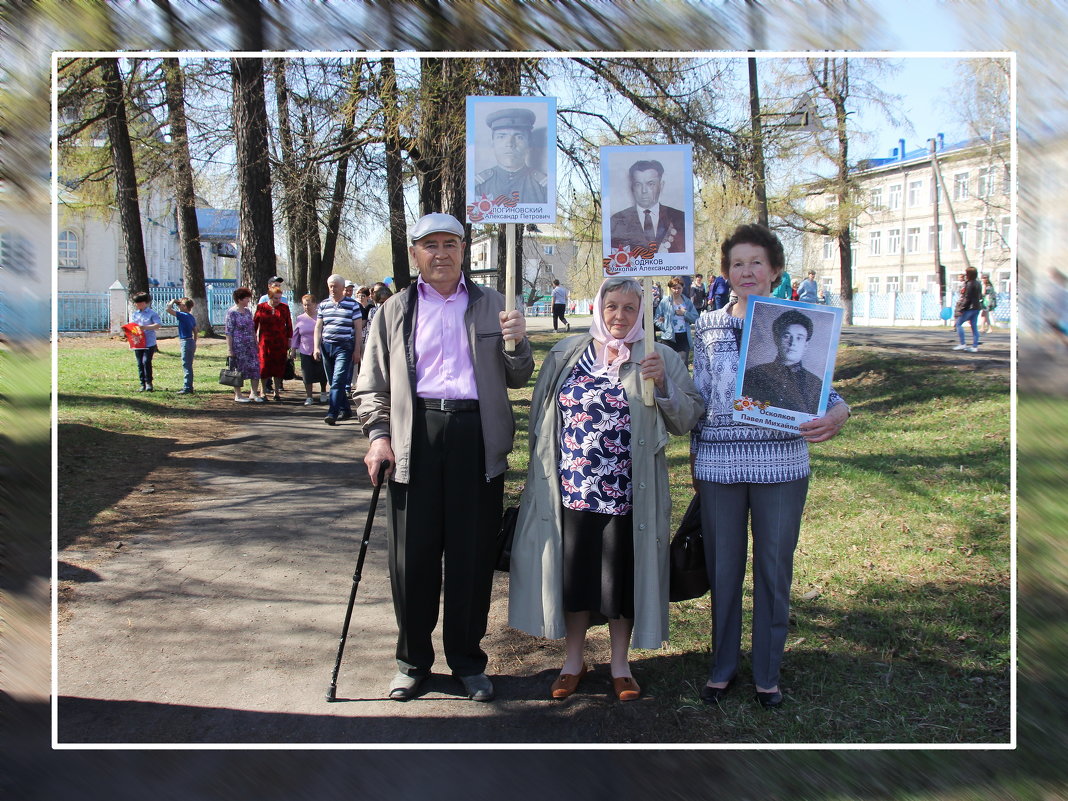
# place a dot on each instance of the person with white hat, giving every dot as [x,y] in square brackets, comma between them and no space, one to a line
[433,401]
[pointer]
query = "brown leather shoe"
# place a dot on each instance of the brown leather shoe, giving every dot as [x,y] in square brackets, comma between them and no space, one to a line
[567,683]
[626,688]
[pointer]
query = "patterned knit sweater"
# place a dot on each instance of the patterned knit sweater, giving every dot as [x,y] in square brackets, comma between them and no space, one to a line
[726,451]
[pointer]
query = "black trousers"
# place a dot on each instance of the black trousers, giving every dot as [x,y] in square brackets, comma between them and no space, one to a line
[447,513]
[144,364]
[558,314]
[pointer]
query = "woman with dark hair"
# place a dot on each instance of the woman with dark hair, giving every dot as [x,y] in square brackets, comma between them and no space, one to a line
[241,344]
[274,329]
[989,303]
[674,315]
[969,304]
[591,541]
[748,476]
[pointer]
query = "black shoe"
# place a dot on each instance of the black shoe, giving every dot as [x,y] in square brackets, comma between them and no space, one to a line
[330,419]
[713,695]
[569,328]
[769,700]
[345,416]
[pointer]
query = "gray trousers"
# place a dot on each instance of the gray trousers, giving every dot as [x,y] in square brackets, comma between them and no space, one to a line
[776,521]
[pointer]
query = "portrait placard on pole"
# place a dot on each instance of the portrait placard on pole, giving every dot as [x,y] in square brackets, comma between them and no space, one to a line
[786,362]
[647,209]
[511,159]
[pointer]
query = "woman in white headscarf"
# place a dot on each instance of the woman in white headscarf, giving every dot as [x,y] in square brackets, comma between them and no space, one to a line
[591,541]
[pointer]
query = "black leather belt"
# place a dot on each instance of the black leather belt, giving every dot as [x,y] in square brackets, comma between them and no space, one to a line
[447,405]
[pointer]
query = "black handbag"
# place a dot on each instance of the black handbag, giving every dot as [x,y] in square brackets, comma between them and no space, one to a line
[686,557]
[230,377]
[505,537]
[290,371]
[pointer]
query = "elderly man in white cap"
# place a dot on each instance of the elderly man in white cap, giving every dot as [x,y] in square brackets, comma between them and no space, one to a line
[433,400]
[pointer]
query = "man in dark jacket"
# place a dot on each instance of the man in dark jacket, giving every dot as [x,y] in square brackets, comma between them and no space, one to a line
[648,224]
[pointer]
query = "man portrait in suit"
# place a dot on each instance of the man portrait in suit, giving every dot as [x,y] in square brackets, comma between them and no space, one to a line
[785,383]
[648,223]
[510,139]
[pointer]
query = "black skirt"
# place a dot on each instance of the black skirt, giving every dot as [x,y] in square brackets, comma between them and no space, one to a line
[598,565]
[312,372]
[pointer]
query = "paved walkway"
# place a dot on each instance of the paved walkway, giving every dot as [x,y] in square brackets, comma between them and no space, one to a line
[223,627]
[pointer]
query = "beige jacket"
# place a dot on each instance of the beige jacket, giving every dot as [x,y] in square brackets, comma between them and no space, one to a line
[535,594]
[385,388]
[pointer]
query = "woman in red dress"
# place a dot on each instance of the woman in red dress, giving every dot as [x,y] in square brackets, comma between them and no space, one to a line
[274,330]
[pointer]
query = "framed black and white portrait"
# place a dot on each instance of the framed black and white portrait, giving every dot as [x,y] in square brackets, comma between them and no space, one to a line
[647,209]
[786,362]
[511,159]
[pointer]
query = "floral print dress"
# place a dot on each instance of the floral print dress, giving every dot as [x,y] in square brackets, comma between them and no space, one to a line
[241,328]
[595,463]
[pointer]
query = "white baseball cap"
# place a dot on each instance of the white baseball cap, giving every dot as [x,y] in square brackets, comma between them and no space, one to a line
[436,223]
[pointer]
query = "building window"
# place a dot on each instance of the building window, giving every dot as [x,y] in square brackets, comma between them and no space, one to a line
[895,196]
[873,285]
[828,247]
[16,255]
[893,283]
[548,250]
[912,284]
[912,240]
[1004,282]
[931,239]
[961,239]
[1006,230]
[960,186]
[875,199]
[893,241]
[68,250]
[1006,179]
[988,233]
[936,185]
[985,186]
[875,243]
[915,190]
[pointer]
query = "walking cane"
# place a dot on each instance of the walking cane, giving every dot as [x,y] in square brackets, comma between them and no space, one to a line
[331,692]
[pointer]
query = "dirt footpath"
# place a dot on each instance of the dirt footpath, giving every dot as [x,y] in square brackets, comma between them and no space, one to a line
[221,625]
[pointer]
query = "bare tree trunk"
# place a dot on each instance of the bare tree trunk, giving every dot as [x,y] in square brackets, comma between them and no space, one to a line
[394,182]
[125,177]
[345,145]
[840,82]
[188,228]
[256,236]
[287,171]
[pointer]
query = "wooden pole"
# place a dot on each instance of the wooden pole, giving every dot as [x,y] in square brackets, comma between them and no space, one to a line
[650,336]
[509,278]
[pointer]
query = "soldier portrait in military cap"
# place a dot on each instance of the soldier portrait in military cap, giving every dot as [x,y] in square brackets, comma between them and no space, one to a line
[511,147]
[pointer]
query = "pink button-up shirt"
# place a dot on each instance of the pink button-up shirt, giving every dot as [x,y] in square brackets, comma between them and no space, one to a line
[443,366]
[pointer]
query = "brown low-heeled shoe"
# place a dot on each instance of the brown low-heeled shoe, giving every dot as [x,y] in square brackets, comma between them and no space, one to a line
[626,688]
[567,683]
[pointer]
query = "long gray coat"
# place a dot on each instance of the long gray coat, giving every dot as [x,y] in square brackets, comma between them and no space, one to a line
[535,596]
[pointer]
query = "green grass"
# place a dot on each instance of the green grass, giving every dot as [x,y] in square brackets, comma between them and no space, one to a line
[25,466]
[109,433]
[900,618]
[900,615]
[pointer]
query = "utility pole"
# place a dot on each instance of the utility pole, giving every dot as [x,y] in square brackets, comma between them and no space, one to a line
[756,30]
[940,268]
